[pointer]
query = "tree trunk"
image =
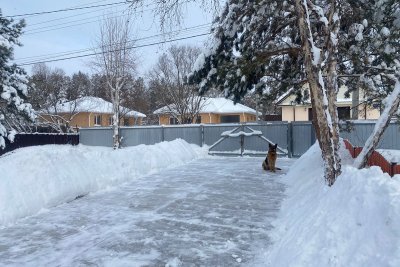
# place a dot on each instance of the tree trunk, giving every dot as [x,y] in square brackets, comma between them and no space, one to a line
[116,138]
[355,102]
[391,106]
[323,104]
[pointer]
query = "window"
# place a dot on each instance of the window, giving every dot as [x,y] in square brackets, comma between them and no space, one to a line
[310,114]
[187,121]
[173,120]
[230,118]
[126,121]
[97,120]
[110,120]
[343,113]
[198,119]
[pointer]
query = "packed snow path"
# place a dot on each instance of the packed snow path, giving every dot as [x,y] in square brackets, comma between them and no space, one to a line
[211,212]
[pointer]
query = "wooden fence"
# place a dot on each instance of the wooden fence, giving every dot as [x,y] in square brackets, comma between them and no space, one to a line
[376,159]
[37,139]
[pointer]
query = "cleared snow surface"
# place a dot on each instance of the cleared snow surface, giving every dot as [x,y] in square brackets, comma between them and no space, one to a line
[210,212]
[39,177]
[356,222]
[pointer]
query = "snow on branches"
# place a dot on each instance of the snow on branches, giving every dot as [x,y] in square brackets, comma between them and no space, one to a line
[275,47]
[255,47]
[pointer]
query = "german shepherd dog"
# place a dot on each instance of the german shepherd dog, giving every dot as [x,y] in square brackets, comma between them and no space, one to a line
[269,164]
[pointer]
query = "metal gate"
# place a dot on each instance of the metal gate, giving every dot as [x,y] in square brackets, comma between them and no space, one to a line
[245,140]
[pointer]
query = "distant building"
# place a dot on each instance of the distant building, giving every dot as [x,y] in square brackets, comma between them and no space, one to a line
[91,112]
[212,110]
[292,111]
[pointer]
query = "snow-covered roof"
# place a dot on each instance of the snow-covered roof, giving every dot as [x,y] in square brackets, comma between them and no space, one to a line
[94,104]
[284,96]
[218,105]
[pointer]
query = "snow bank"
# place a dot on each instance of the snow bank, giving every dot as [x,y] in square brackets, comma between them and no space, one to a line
[33,178]
[354,223]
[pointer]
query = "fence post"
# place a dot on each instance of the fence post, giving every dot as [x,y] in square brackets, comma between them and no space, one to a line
[392,165]
[290,139]
[162,133]
[312,134]
[241,140]
[201,135]
[241,145]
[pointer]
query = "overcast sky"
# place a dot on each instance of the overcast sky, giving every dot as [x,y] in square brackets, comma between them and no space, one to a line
[61,32]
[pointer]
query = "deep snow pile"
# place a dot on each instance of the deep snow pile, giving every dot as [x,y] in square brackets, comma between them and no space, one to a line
[33,178]
[354,223]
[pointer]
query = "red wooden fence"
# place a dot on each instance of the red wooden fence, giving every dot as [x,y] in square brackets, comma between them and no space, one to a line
[376,159]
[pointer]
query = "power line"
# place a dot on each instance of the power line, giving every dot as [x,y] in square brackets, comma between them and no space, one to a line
[89,12]
[38,30]
[65,9]
[131,47]
[67,17]
[71,52]
[51,27]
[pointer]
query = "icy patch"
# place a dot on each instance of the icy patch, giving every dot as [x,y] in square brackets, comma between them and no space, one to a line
[199,214]
[175,262]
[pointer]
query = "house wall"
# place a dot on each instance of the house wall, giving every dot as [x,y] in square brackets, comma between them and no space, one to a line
[368,113]
[86,119]
[301,112]
[163,120]
[295,113]
[364,112]
[80,120]
[208,118]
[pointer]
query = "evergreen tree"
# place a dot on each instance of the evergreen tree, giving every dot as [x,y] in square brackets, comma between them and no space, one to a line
[272,46]
[13,83]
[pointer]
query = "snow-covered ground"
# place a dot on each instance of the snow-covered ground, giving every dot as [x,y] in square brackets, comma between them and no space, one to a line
[209,212]
[39,177]
[354,223]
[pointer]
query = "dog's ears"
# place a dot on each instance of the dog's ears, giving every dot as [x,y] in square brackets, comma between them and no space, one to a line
[272,146]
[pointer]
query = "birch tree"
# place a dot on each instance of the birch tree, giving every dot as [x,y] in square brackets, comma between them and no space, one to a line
[116,60]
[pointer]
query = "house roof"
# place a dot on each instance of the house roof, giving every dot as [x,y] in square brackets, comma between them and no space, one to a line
[94,104]
[218,105]
[282,98]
